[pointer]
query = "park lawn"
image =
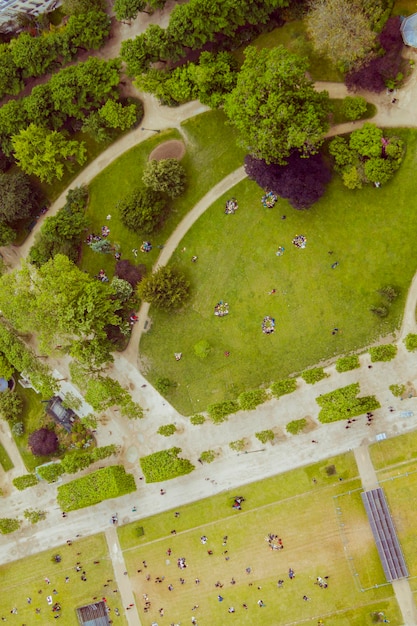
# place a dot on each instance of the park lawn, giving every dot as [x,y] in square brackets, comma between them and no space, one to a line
[32,417]
[258,494]
[237,264]
[309,527]
[211,155]
[5,460]
[394,451]
[293,36]
[24,578]
[404,7]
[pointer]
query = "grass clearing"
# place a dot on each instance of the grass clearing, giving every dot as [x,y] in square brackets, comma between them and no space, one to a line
[211,154]
[302,513]
[293,36]
[24,578]
[5,460]
[239,252]
[394,450]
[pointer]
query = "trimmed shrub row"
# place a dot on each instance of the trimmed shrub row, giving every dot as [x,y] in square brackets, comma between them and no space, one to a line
[106,483]
[343,403]
[164,465]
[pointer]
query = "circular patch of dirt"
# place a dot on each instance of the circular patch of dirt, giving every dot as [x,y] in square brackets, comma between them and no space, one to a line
[173,149]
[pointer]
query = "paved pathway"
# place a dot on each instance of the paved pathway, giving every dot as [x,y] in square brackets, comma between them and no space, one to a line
[122,580]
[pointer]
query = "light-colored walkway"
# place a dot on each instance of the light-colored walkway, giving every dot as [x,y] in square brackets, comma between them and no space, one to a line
[366,469]
[122,580]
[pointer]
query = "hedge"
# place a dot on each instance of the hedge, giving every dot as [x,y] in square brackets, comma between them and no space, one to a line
[386,352]
[167,430]
[50,472]
[344,404]
[25,481]
[265,435]
[164,465]
[197,420]
[347,363]
[8,525]
[410,342]
[314,375]
[218,412]
[249,400]
[282,387]
[296,426]
[106,483]
[397,390]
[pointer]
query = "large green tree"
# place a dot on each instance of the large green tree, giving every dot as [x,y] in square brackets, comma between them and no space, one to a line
[128,9]
[275,107]
[46,153]
[61,303]
[341,30]
[115,115]
[166,175]
[143,210]
[166,288]
[18,196]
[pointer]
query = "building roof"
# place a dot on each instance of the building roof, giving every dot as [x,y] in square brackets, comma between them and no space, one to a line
[64,417]
[93,615]
[409,30]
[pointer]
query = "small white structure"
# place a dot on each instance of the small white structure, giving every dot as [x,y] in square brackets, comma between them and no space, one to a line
[409,30]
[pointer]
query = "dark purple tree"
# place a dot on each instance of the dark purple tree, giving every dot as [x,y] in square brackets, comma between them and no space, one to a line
[390,37]
[132,273]
[302,181]
[43,442]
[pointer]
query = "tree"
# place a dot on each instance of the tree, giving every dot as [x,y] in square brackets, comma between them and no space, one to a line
[6,369]
[18,197]
[166,288]
[104,392]
[340,30]
[122,289]
[33,55]
[34,516]
[133,274]
[166,175]
[10,76]
[10,406]
[75,7]
[115,115]
[43,442]
[46,153]
[302,181]
[88,31]
[367,141]
[354,107]
[7,234]
[95,126]
[274,106]
[63,303]
[128,9]
[143,210]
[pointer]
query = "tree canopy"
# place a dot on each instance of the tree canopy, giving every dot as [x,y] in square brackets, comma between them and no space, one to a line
[166,175]
[128,9]
[46,153]
[166,288]
[275,107]
[341,30]
[63,304]
[43,442]
[143,210]
[18,197]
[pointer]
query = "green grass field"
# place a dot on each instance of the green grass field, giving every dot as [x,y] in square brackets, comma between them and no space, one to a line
[5,460]
[211,155]
[25,578]
[299,511]
[32,415]
[237,263]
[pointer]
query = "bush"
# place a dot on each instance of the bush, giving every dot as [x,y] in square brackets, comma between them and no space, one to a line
[208,456]
[76,461]
[410,342]
[34,516]
[8,525]
[249,400]
[25,481]
[197,420]
[389,292]
[380,311]
[282,387]
[133,274]
[166,288]
[166,175]
[265,435]
[50,472]
[397,390]
[314,375]
[18,429]
[238,446]
[296,426]
[386,352]
[219,411]
[106,483]
[163,385]
[104,452]
[202,349]
[10,406]
[343,404]
[43,442]
[347,363]
[354,107]
[143,211]
[167,430]
[130,409]
[164,465]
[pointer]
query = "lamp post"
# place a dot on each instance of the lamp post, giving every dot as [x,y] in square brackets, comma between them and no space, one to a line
[153,130]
